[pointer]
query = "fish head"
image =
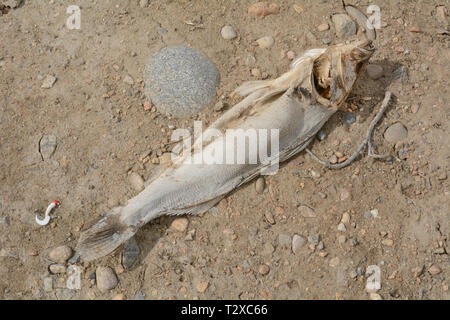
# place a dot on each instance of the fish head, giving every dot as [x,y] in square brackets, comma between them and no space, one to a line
[336,70]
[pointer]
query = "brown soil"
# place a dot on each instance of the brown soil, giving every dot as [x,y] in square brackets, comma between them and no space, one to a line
[102,130]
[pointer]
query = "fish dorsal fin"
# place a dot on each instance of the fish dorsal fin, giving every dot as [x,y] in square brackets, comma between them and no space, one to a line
[300,70]
[249,87]
[310,54]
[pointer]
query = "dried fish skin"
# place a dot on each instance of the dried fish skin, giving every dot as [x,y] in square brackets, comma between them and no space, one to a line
[296,104]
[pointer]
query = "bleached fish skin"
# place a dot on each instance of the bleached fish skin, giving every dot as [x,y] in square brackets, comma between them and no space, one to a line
[291,104]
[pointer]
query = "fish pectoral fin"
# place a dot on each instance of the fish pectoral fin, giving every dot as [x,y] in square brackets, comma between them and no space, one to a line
[270,94]
[252,86]
[198,208]
[103,237]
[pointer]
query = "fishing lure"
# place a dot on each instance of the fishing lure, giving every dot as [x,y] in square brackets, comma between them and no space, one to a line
[46,219]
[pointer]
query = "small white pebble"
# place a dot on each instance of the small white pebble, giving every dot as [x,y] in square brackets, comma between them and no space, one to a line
[228,33]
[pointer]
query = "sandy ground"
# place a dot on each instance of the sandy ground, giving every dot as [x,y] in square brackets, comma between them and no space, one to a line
[102,131]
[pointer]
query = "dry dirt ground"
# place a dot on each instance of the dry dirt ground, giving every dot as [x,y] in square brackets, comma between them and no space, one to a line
[103,130]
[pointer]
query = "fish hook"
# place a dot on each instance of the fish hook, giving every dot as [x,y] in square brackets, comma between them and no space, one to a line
[46,220]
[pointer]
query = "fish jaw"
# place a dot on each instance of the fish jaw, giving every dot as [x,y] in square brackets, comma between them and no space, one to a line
[336,71]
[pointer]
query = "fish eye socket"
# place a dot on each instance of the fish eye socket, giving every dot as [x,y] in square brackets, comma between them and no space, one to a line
[322,89]
[359,66]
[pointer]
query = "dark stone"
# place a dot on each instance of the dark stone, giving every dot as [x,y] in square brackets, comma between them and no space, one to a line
[130,253]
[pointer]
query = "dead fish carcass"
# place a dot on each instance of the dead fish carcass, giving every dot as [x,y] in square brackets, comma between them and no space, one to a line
[297,104]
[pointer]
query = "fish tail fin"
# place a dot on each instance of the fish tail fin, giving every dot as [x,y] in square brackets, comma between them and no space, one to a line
[249,87]
[104,236]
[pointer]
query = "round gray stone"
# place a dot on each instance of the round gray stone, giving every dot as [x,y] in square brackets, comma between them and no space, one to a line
[180,81]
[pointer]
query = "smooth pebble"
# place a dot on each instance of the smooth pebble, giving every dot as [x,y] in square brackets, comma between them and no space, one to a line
[60,254]
[228,33]
[106,279]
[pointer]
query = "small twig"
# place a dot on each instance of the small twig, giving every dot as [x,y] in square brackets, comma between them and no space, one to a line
[367,141]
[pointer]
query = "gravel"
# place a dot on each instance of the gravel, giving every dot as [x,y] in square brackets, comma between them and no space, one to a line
[5,221]
[323,27]
[314,239]
[284,240]
[395,133]
[128,80]
[263,8]
[228,33]
[47,146]
[119,296]
[344,25]
[202,286]
[291,55]
[219,106]
[260,185]
[327,40]
[143,3]
[256,72]
[48,284]
[269,217]
[341,227]
[180,224]
[306,212]
[334,262]
[434,270]
[75,259]
[57,268]
[180,81]
[263,269]
[250,61]
[190,235]
[298,242]
[130,253]
[374,71]
[346,193]
[74,280]
[375,296]
[374,213]
[60,254]
[349,118]
[333,159]
[48,82]
[265,42]
[106,279]
[321,135]
[268,249]
[139,296]
[345,218]
[136,181]
[415,108]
